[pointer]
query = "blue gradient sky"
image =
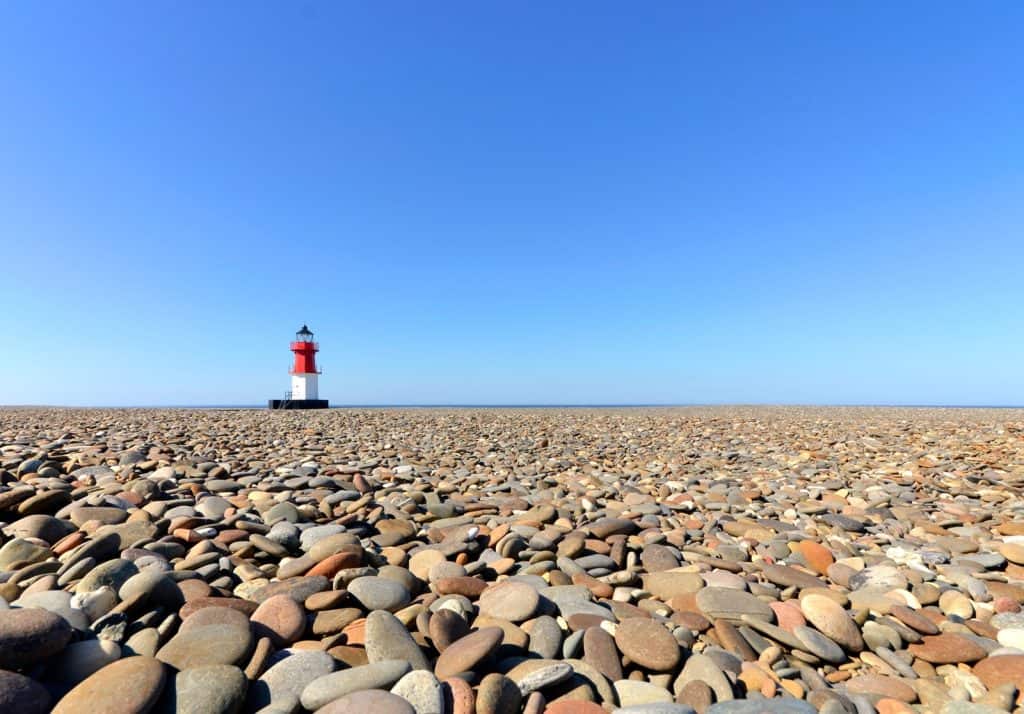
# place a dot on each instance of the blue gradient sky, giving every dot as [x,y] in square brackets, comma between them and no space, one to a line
[571,202]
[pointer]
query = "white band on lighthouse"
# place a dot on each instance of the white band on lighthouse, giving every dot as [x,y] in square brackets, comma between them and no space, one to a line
[304,386]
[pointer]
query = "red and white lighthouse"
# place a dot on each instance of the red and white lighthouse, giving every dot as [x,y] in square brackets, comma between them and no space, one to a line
[303,394]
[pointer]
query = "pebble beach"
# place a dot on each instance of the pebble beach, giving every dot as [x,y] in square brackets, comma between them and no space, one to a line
[718,560]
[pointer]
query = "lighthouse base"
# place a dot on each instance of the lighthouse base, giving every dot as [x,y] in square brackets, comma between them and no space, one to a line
[297,404]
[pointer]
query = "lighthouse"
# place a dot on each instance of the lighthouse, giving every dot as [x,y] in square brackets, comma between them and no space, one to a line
[303,394]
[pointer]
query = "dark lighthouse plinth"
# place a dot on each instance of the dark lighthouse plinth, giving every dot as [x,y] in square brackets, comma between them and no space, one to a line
[304,375]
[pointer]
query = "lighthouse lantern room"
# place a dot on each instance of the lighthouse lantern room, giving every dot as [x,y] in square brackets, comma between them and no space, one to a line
[304,394]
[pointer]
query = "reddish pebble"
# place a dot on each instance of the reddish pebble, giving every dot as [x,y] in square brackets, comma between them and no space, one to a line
[355,634]
[325,600]
[893,706]
[582,620]
[685,602]
[461,585]
[459,697]
[947,648]
[595,586]
[281,619]
[1002,669]
[231,535]
[68,543]
[186,534]
[1005,604]
[574,707]
[332,564]
[194,588]
[246,607]
[788,615]
[691,621]
[817,556]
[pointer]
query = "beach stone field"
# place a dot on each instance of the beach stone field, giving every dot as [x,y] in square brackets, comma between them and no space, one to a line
[719,560]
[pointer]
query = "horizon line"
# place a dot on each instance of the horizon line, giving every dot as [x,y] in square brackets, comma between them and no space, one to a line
[498,405]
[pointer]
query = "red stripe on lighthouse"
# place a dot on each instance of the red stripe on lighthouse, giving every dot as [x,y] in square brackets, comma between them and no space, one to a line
[305,357]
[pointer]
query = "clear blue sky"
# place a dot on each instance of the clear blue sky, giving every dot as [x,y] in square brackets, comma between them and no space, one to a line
[532,202]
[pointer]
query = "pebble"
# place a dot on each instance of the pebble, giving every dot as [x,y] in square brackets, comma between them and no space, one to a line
[545,637]
[30,635]
[817,556]
[702,668]
[820,645]
[422,690]
[697,695]
[648,644]
[376,675]
[460,695]
[948,648]
[281,619]
[787,705]
[213,689]
[1003,669]
[632,692]
[81,659]
[462,655]
[731,604]
[210,644]
[655,708]
[600,651]
[22,695]
[388,639]
[127,686]
[882,686]
[510,600]
[668,585]
[542,677]
[376,701]
[497,694]
[568,706]
[375,593]
[833,621]
[287,676]
[658,561]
